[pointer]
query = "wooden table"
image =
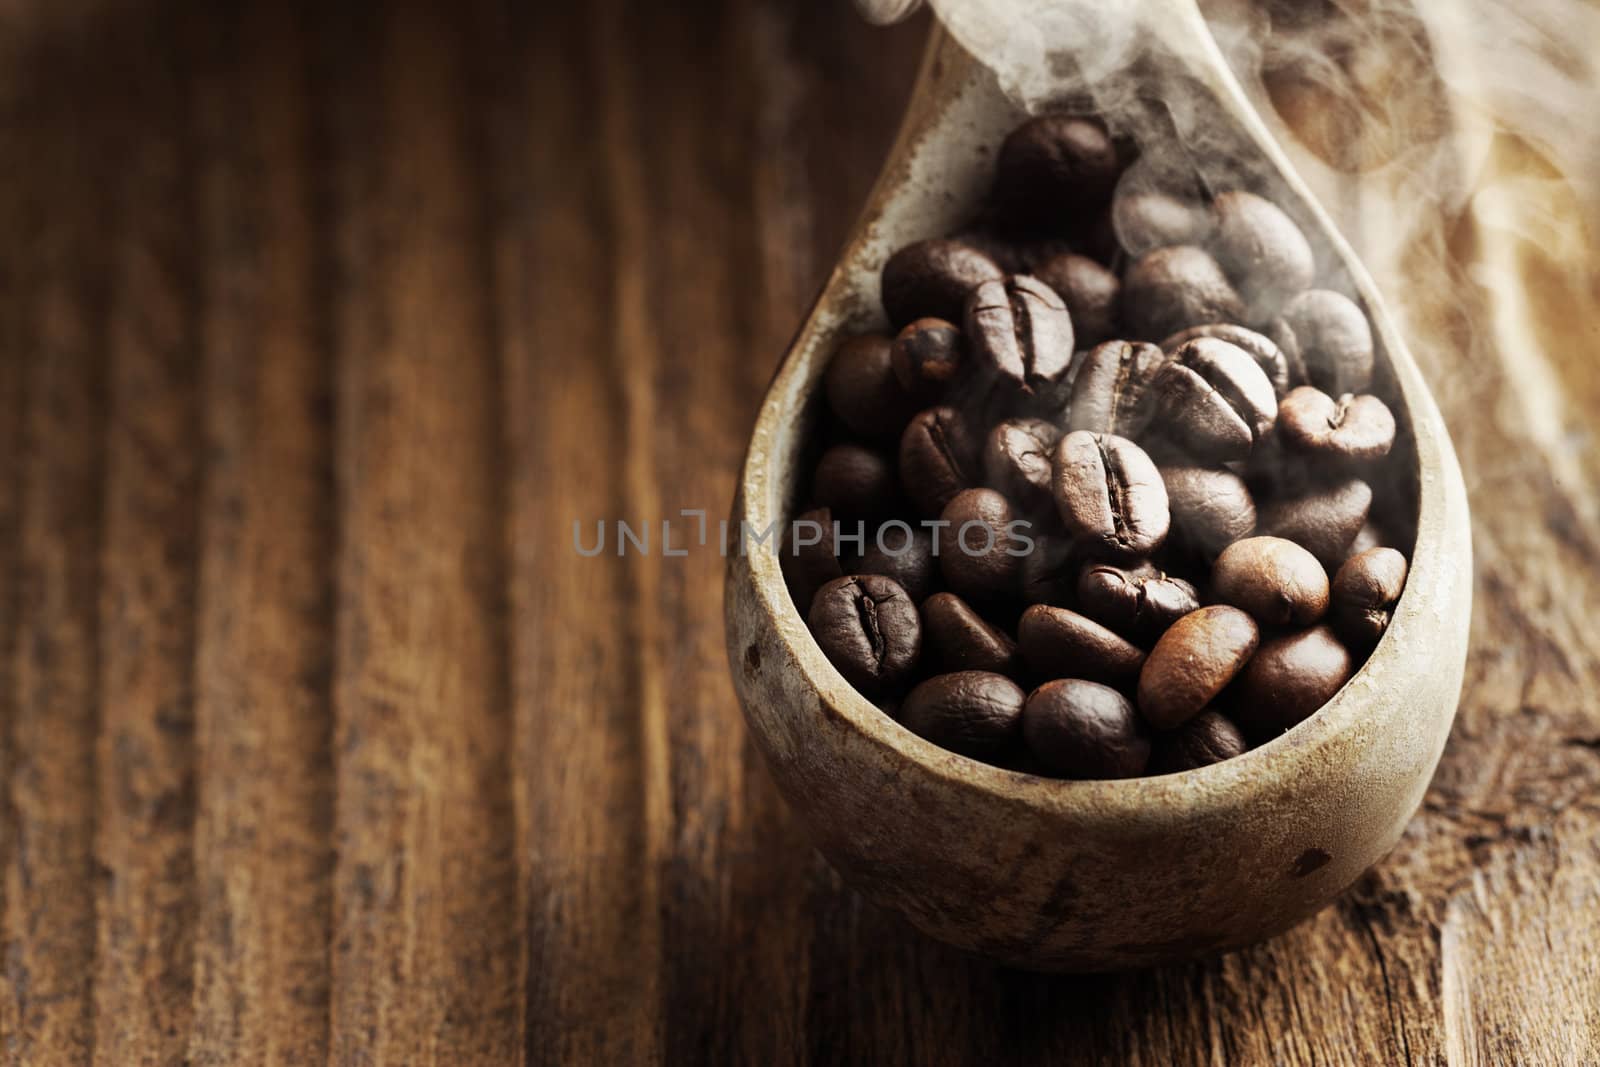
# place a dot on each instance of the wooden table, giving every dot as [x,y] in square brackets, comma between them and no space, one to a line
[322,324]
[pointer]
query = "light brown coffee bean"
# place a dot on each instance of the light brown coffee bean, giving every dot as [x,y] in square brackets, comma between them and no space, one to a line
[1109,495]
[1365,592]
[1276,581]
[1194,660]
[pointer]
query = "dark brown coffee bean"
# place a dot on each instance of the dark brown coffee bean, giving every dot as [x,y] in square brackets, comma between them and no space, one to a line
[1048,572]
[856,482]
[1276,581]
[1091,293]
[979,556]
[932,278]
[863,392]
[807,556]
[1359,428]
[959,639]
[1288,679]
[1208,738]
[1211,508]
[1147,221]
[1017,456]
[926,357]
[975,713]
[1109,495]
[1053,170]
[1194,660]
[1365,592]
[1021,329]
[1111,390]
[1138,602]
[904,553]
[1215,401]
[1262,250]
[869,629]
[938,459]
[1322,519]
[1079,729]
[1268,356]
[1174,288]
[1331,337]
[1059,643]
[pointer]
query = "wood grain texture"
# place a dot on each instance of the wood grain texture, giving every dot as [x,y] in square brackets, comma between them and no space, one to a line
[322,323]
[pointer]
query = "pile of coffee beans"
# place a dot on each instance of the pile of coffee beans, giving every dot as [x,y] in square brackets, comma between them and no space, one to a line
[1101,503]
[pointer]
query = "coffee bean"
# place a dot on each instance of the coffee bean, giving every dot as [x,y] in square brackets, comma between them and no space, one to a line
[959,639]
[1059,643]
[938,459]
[974,713]
[856,482]
[1111,390]
[1090,292]
[927,356]
[1194,660]
[1016,461]
[1330,335]
[863,392]
[1262,250]
[869,630]
[1211,508]
[1080,729]
[1276,581]
[1365,591]
[1021,329]
[807,555]
[1174,288]
[1268,356]
[1138,602]
[906,557]
[978,554]
[1109,495]
[1047,574]
[1288,679]
[1359,428]
[1209,737]
[1147,221]
[1323,519]
[1215,401]
[933,278]
[1053,170]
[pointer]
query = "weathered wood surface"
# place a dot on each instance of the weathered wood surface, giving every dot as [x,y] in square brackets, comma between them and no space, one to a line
[322,323]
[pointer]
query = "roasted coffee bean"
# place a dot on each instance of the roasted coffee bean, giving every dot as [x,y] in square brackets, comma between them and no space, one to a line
[807,555]
[926,357]
[1111,390]
[1211,508]
[1174,288]
[1262,250]
[1109,495]
[1048,572]
[854,481]
[1268,356]
[1288,679]
[1053,170]
[1016,461]
[938,459]
[1147,221]
[1359,428]
[1091,293]
[1365,591]
[1215,400]
[1323,519]
[959,639]
[975,713]
[863,392]
[1138,602]
[1059,643]
[1080,729]
[869,629]
[1022,330]
[904,554]
[1194,660]
[1209,737]
[1330,336]
[933,278]
[1276,581]
[979,555]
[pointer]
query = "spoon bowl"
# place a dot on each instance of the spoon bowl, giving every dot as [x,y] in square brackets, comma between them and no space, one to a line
[1091,875]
